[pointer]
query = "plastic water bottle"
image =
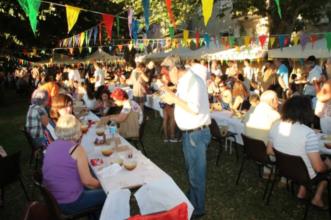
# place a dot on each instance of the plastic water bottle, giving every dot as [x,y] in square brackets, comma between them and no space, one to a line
[113,129]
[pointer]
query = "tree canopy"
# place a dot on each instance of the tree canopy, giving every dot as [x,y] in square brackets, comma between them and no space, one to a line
[311,11]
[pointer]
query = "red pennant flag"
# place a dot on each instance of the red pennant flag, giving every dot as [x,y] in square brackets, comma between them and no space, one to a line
[170,13]
[197,39]
[108,21]
[313,39]
[286,41]
[262,40]
[100,34]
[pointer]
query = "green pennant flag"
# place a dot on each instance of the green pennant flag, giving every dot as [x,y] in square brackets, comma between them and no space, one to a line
[31,9]
[171,32]
[328,40]
[279,10]
[118,25]
[231,41]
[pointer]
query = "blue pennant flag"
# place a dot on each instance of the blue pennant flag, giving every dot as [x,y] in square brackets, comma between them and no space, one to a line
[146,13]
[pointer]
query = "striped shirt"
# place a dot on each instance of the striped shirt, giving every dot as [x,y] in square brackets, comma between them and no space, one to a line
[295,139]
[33,121]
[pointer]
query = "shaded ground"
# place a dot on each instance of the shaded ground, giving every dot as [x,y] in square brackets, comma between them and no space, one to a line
[224,200]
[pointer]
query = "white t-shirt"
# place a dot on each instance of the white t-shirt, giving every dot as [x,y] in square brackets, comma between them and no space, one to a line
[249,72]
[131,105]
[192,89]
[74,75]
[90,103]
[297,140]
[217,71]
[101,78]
[259,122]
[314,74]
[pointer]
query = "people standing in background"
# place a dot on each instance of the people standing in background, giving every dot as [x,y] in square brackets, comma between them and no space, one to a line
[215,68]
[248,70]
[282,74]
[314,76]
[193,118]
[99,76]
[73,75]
[138,80]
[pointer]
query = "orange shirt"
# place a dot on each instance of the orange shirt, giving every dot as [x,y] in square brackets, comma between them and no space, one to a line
[52,89]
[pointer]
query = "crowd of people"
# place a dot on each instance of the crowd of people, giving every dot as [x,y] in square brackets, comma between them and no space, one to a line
[278,102]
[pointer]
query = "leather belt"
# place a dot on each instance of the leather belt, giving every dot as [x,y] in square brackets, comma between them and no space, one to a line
[196,129]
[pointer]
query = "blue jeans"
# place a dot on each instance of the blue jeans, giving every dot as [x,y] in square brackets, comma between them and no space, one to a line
[88,199]
[194,147]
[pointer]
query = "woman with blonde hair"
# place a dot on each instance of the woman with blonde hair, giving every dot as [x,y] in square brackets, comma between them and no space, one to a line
[66,172]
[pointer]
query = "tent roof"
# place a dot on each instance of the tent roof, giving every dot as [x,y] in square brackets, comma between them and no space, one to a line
[100,55]
[241,53]
[319,50]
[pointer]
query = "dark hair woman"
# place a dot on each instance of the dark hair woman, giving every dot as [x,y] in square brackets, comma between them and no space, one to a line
[292,136]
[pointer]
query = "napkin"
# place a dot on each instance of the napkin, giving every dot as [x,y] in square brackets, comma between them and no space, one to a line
[159,196]
[110,170]
[117,205]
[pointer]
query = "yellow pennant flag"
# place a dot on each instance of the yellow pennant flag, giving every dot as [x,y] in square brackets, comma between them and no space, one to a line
[72,16]
[247,41]
[81,39]
[296,39]
[185,35]
[272,41]
[207,9]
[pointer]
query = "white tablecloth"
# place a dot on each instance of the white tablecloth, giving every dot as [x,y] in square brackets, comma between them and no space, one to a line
[145,173]
[153,102]
[235,125]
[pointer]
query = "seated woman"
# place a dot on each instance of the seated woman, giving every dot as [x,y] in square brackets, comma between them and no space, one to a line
[131,116]
[61,105]
[103,103]
[292,136]
[89,97]
[240,97]
[66,172]
[37,117]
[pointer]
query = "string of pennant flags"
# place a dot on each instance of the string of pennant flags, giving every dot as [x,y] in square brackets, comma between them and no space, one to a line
[93,37]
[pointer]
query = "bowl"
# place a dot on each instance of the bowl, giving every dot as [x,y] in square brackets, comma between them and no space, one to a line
[100,131]
[117,160]
[84,128]
[107,152]
[130,164]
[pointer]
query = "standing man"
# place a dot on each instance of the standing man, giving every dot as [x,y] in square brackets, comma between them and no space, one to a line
[193,119]
[314,76]
[99,76]
[282,74]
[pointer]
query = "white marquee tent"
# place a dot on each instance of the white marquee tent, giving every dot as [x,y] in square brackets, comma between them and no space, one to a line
[241,53]
[319,50]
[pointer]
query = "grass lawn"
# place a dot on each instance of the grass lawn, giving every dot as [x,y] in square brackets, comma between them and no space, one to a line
[224,199]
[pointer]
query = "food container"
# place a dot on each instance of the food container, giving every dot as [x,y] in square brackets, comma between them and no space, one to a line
[107,152]
[130,164]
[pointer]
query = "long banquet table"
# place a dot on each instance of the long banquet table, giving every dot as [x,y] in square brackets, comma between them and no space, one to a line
[114,178]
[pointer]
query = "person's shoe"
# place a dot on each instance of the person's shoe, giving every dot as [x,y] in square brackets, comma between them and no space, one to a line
[166,140]
[173,140]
